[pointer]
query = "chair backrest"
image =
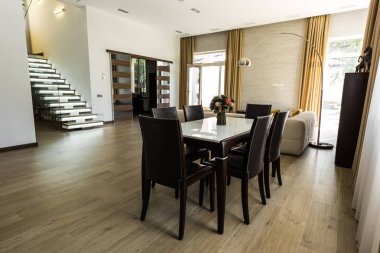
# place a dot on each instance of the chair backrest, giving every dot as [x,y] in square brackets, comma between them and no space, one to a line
[254,152]
[272,151]
[163,150]
[257,110]
[165,113]
[193,112]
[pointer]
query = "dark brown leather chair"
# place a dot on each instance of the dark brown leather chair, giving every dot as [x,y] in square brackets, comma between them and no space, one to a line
[165,113]
[192,152]
[252,163]
[272,151]
[166,165]
[257,110]
[193,112]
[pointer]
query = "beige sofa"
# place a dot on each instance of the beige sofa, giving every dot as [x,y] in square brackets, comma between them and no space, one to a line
[298,132]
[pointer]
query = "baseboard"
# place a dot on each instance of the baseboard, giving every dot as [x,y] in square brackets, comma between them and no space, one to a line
[29,145]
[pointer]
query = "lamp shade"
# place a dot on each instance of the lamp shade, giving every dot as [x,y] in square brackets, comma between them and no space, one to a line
[244,62]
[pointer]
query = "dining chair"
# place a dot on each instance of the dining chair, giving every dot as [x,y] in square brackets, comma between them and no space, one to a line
[272,150]
[257,110]
[193,112]
[165,163]
[192,153]
[251,164]
[165,113]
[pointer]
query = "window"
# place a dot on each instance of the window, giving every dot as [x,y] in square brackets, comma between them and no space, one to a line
[342,57]
[206,77]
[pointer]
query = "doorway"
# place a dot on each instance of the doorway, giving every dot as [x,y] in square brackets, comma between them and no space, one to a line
[139,83]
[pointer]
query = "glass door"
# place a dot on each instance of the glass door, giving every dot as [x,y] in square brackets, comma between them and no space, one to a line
[194,85]
[204,82]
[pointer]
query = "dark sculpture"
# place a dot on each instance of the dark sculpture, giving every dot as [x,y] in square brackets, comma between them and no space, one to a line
[364,61]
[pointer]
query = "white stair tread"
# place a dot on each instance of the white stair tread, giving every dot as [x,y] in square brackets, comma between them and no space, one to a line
[67,105]
[44,75]
[51,86]
[59,98]
[78,117]
[55,92]
[92,123]
[30,59]
[47,80]
[41,70]
[38,56]
[73,110]
[39,65]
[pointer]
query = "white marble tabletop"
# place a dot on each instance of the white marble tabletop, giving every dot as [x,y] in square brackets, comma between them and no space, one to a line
[207,129]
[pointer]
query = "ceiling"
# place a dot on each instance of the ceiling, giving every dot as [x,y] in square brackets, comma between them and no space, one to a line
[217,15]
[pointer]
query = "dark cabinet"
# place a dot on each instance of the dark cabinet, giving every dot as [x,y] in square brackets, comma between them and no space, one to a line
[353,97]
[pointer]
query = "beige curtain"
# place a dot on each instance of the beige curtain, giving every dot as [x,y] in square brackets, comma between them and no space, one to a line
[186,57]
[311,71]
[371,38]
[232,79]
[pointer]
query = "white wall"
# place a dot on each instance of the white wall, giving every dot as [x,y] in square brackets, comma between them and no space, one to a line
[63,40]
[274,75]
[16,110]
[350,23]
[106,31]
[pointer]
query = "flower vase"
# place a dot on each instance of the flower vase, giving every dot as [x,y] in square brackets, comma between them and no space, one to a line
[221,118]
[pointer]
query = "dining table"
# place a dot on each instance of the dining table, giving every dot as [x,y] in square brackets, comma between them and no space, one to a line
[219,139]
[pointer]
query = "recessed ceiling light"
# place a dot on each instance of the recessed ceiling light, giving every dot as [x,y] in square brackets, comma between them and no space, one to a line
[124,11]
[214,29]
[195,10]
[177,31]
[250,23]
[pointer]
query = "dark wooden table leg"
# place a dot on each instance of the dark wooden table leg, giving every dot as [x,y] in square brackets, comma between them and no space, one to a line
[221,170]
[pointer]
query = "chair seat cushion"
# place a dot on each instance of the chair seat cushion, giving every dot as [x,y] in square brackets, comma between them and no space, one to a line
[193,152]
[196,170]
[239,151]
[233,162]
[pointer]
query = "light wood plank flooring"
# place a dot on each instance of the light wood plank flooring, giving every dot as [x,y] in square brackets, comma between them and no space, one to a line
[80,192]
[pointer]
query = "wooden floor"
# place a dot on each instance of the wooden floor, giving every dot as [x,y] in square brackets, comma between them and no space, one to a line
[80,192]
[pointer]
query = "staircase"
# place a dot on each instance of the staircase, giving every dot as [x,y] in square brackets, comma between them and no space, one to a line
[53,98]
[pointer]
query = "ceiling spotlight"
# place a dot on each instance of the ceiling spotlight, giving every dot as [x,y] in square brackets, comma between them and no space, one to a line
[214,29]
[195,10]
[124,11]
[177,31]
[58,11]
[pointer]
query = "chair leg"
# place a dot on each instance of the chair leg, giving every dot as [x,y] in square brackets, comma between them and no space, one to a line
[182,211]
[212,192]
[260,177]
[273,169]
[201,191]
[278,168]
[244,199]
[266,179]
[228,179]
[153,184]
[146,195]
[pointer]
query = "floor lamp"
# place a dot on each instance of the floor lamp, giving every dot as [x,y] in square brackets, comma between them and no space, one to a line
[316,144]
